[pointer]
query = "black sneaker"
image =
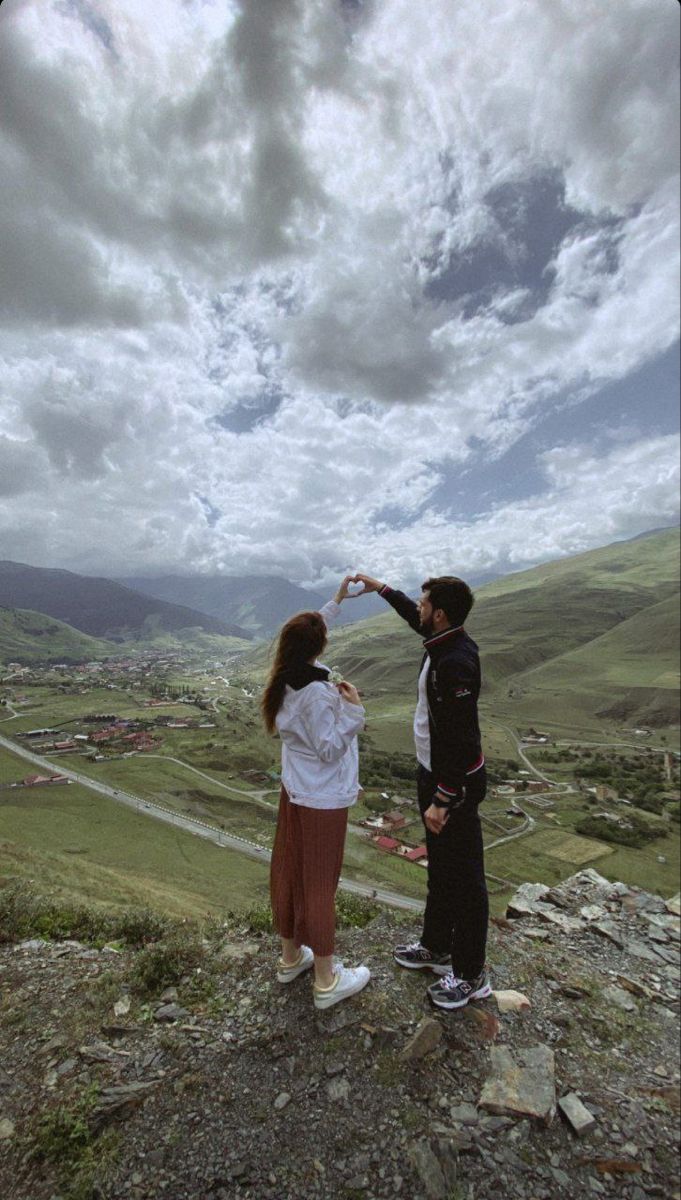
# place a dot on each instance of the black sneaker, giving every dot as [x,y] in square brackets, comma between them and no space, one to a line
[452,992]
[416,958]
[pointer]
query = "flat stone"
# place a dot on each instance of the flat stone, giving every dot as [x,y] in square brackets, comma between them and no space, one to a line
[534,934]
[524,900]
[510,1001]
[281,1101]
[634,986]
[31,944]
[666,921]
[611,931]
[589,875]
[116,1100]
[239,950]
[673,905]
[577,1114]
[170,1012]
[434,1162]
[486,1024]
[464,1114]
[338,1089]
[620,998]
[6,1129]
[426,1036]
[564,923]
[593,912]
[524,1086]
[641,950]
[669,954]
[561,1178]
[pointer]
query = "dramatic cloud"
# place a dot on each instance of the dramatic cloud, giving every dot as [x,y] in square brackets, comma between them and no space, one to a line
[290,285]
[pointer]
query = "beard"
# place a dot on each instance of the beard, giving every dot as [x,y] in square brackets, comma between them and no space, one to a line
[427,627]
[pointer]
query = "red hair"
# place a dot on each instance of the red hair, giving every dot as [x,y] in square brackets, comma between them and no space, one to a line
[302,638]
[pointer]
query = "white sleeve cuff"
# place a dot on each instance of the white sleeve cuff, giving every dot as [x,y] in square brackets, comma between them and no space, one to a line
[329,612]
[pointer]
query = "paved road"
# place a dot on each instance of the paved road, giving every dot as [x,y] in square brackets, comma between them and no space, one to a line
[509,837]
[201,828]
[628,745]
[535,771]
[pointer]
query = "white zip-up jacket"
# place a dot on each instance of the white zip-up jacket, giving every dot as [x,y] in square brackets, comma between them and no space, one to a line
[318,731]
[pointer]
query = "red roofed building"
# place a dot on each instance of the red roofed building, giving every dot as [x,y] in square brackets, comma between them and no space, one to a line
[386,843]
[417,854]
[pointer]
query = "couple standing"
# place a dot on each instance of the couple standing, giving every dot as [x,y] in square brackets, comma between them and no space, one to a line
[318,722]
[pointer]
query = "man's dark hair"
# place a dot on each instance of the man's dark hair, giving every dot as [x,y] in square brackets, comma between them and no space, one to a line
[452,595]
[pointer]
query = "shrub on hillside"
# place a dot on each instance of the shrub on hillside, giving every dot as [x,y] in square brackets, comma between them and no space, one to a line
[636,832]
[23,914]
[164,964]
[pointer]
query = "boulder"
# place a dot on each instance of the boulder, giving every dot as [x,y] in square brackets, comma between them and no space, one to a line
[523,1086]
[510,1001]
[424,1040]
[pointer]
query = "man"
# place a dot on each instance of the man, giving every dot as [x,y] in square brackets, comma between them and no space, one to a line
[451,784]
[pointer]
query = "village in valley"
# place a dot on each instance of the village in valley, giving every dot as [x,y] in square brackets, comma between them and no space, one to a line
[203,717]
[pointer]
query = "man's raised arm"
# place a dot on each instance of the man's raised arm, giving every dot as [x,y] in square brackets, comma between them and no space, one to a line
[404,607]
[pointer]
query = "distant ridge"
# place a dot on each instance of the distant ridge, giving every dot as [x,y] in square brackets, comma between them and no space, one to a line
[597,632]
[260,603]
[32,637]
[100,607]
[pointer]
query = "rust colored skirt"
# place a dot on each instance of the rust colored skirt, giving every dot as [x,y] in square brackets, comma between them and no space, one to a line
[306,864]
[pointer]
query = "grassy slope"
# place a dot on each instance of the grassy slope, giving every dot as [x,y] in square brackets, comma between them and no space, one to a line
[84,846]
[582,628]
[27,636]
[639,652]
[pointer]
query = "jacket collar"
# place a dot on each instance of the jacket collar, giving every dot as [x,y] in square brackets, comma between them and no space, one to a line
[300,674]
[443,638]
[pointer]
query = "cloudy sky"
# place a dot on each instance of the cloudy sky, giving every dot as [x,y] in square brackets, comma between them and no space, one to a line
[292,286]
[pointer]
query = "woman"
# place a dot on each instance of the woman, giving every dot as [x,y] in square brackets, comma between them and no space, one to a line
[318,723]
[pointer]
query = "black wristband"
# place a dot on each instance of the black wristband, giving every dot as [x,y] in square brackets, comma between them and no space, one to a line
[439,802]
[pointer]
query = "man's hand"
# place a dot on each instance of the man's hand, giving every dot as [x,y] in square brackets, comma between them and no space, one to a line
[436,818]
[370,585]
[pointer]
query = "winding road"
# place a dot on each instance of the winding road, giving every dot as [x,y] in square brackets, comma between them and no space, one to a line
[202,828]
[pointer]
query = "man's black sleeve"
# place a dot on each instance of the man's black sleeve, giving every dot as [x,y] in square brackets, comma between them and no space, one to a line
[457,732]
[404,607]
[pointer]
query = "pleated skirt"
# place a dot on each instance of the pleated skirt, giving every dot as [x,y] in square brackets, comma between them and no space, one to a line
[306,864]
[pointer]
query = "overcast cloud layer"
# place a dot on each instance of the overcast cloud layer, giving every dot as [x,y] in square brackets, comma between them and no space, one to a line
[284,282]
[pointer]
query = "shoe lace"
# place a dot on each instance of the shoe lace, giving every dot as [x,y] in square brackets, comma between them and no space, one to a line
[450,981]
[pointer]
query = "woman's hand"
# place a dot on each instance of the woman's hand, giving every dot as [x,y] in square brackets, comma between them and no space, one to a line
[349,693]
[343,593]
[370,584]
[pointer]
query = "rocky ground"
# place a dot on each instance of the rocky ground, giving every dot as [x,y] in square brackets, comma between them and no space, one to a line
[229,1085]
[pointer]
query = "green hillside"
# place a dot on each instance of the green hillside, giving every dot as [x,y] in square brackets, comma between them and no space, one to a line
[597,631]
[85,847]
[32,637]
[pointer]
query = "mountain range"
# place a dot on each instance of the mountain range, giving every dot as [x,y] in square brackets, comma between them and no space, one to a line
[257,603]
[596,634]
[101,607]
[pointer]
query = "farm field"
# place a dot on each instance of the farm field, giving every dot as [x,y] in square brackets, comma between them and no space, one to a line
[77,843]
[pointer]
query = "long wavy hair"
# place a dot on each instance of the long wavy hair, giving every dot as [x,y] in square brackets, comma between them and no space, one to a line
[302,638]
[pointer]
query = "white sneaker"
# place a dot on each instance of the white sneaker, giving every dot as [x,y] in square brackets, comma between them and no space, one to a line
[348,981]
[286,974]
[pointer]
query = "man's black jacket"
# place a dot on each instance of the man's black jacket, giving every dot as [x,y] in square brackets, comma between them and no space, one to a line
[453,687]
